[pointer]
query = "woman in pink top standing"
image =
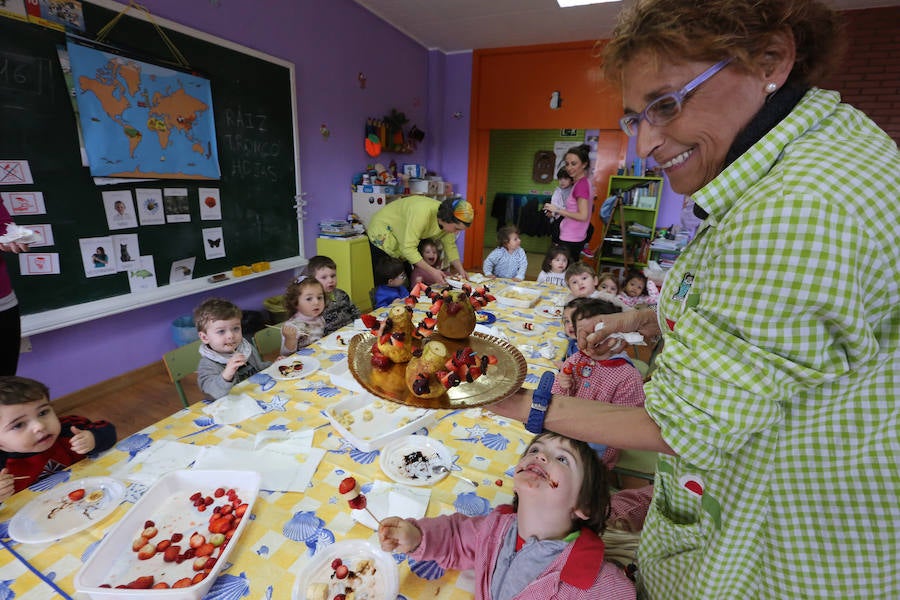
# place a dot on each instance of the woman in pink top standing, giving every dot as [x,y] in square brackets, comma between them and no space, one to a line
[574,229]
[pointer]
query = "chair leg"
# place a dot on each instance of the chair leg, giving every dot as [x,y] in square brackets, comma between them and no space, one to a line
[181,394]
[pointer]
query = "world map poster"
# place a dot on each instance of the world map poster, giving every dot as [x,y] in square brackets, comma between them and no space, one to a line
[143,120]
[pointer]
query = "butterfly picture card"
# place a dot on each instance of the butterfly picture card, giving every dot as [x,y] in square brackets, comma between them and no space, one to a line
[213,243]
[210,204]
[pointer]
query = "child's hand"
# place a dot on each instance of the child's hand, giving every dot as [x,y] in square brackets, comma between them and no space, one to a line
[7,485]
[234,363]
[82,441]
[398,535]
[565,380]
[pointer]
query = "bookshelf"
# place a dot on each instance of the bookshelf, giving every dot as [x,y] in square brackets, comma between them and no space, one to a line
[640,204]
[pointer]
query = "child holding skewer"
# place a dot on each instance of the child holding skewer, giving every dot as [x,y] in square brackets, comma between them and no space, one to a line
[34,442]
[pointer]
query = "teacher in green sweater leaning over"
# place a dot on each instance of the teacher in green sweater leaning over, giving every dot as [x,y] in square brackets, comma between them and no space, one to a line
[774,403]
[397,229]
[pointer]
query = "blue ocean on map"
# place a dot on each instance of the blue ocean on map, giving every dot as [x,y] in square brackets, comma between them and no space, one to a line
[143,120]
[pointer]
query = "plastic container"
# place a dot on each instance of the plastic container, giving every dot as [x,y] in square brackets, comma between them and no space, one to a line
[184,330]
[376,421]
[167,504]
[275,308]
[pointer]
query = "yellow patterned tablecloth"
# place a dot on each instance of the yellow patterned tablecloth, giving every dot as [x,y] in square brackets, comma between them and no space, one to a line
[287,528]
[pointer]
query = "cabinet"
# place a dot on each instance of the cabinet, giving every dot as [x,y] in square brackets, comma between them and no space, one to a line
[628,243]
[354,266]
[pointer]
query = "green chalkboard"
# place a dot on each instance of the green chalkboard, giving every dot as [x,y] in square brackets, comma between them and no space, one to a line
[253,105]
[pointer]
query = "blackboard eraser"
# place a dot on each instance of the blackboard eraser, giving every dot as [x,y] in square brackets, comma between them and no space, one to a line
[217,278]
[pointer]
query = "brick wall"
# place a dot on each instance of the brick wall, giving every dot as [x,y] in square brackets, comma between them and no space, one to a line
[870,76]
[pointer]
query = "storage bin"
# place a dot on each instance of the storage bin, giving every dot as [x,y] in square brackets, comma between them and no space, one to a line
[184,331]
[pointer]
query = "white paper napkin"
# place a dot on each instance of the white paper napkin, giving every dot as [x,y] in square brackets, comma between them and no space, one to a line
[160,458]
[280,472]
[341,377]
[393,500]
[233,409]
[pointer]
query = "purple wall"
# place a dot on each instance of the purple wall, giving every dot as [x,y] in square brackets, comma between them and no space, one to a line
[330,42]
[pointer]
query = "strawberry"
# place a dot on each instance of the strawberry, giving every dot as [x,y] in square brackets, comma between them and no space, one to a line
[162,585]
[436,306]
[240,510]
[358,503]
[198,578]
[171,553]
[177,537]
[341,571]
[138,543]
[149,523]
[475,372]
[205,549]
[219,492]
[370,321]
[410,301]
[147,552]
[196,496]
[161,546]
[347,484]
[492,359]
[199,563]
[182,583]
[337,561]
[76,495]
[384,339]
[381,362]
[197,540]
[567,369]
[141,583]
[444,378]
[149,532]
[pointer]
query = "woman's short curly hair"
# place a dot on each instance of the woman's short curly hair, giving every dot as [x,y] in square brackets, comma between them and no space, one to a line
[715,29]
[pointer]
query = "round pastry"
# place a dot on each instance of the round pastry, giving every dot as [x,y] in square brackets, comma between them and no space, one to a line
[456,318]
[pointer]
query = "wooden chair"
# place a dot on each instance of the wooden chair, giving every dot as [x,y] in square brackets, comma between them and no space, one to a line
[268,340]
[180,363]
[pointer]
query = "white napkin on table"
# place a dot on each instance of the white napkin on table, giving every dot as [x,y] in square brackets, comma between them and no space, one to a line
[280,472]
[233,409]
[393,500]
[160,458]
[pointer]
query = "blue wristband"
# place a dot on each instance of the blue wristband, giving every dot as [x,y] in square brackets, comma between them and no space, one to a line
[540,401]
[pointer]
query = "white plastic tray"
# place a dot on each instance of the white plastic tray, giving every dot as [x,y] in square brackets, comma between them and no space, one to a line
[389,421]
[525,298]
[167,504]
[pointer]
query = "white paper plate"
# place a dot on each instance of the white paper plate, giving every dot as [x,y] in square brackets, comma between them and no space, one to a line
[331,341]
[385,582]
[309,365]
[395,460]
[549,311]
[33,523]
[519,327]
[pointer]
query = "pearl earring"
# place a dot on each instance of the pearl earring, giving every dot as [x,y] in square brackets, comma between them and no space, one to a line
[771,87]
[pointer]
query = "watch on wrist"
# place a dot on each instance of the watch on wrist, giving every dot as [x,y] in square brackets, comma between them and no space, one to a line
[540,401]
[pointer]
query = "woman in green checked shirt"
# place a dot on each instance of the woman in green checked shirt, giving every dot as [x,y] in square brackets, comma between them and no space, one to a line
[774,403]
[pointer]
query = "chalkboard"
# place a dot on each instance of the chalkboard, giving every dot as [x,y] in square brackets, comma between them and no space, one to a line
[254,110]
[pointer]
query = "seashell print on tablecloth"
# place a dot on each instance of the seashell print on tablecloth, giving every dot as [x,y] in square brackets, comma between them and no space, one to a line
[337,357]
[262,550]
[6,592]
[277,427]
[495,441]
[471,504]
[50,481]
[4,532]
[305,351]
[265,381]
[269,591]
[363,458]
[328,392]
[135,443]
[426,569]
[323,539]
[303,526]
[229,587]
[531,378]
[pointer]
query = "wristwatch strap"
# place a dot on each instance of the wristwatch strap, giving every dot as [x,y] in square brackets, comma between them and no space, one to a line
[540,401]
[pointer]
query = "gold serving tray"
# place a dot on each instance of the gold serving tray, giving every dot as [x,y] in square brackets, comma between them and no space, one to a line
[500,381]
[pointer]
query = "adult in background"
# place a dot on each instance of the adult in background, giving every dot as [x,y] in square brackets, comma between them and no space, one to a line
[397,229]
[10,323]
[575,227]
[774,400]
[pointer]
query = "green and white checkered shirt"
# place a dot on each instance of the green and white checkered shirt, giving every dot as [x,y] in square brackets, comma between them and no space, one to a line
[779,384]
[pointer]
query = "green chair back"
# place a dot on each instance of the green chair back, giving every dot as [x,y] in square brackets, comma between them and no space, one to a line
[180,363]
[636,463]
[268,339]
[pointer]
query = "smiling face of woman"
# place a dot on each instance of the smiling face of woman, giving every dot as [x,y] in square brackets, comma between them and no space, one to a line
[691,148]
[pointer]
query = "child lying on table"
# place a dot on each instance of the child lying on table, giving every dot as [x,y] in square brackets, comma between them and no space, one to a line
[546,545]
[34,442]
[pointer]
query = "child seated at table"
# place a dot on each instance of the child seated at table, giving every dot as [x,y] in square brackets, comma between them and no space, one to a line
[432,255]
[339,308]
[226,358]
[548,540]
[390,274]
[582,281]
[613,379]
[569,326]
[507,260]
[304,300]
[34,442]
[637,290]
[553,269]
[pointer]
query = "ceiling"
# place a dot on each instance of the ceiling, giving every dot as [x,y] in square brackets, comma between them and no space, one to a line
[461,25]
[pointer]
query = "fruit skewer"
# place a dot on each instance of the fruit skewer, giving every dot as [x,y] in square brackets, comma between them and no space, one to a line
[349,491]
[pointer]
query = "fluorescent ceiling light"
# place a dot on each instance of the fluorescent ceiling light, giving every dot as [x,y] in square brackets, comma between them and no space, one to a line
[570,3]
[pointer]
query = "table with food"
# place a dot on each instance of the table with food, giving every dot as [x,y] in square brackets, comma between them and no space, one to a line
[276,490]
